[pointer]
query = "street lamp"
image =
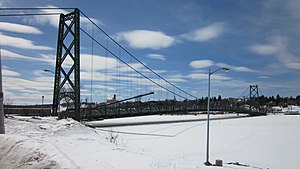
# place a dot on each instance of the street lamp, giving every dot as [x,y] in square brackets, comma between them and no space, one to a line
[2,128]
[208,113]
[47,70]
[43,97]
[56,76]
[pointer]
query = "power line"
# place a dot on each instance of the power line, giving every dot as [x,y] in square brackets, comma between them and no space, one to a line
[38,8]
[136,58]
[33,9]
[29,14]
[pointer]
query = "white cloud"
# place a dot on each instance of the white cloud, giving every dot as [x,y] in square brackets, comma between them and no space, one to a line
[5,3]
[145,39]
[20,43]
[293,65]
[6,72]
[176,78]
[18,28]
[54,19]
[156,56]
[236,68]
[27,91]
[99,62]
[206,33]
[97,76]
[47,19]
[199,64]
[242,69]
[263,49]
[278,47]
[12,55]
[263,77]
[86,24]
[136,66]
[199,76]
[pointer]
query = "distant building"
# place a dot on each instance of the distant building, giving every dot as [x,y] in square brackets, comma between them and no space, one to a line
[112,102]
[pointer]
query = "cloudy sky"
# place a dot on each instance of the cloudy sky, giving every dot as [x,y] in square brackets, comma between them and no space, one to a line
[257,40]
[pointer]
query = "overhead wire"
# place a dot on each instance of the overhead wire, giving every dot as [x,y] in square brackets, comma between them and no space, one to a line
[33,9]
[37,8]
[29,14]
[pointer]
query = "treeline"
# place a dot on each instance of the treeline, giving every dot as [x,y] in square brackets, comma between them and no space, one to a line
[279,101]
[263,101]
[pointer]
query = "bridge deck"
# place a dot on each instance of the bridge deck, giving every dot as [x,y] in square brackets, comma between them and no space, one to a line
[125,110]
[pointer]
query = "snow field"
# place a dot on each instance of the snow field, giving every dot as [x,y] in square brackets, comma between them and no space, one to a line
[257,142]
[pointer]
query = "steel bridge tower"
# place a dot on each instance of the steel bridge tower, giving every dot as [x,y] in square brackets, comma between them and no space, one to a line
[67,68]
[254,98]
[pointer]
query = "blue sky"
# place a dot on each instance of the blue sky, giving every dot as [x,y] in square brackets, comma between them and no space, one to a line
[257,40]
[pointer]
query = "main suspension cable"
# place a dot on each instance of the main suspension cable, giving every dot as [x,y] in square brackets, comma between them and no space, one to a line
[105,48]
[243,93]
[135,57]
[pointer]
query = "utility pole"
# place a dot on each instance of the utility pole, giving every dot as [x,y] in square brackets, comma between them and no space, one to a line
[2,128]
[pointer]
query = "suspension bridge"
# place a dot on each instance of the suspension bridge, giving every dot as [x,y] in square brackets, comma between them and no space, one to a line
[117,73]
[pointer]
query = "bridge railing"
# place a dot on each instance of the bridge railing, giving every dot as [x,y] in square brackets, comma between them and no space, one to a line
[152,108]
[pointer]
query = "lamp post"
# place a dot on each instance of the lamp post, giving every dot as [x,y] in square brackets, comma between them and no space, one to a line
[208,113]
[2,128]
[56,75]
[43,104]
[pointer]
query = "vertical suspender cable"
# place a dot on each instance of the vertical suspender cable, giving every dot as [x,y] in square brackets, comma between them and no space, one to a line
[105,70]
[92,64]
[134,69]
[115,42]
[119,86]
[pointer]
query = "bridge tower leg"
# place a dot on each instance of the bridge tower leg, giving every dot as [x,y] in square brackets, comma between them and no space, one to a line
[67,68]
[254,98]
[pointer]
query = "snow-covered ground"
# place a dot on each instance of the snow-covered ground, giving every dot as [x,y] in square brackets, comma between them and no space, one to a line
[257,142]
[288,109]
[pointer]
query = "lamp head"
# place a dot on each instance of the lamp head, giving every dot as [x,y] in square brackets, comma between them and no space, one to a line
[226,69]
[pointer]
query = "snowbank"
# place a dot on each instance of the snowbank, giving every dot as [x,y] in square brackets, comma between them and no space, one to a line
[13,154]
[32,142]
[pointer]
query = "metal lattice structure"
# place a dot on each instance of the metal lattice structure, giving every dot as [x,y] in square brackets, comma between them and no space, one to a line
[254,98]
[67,76]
